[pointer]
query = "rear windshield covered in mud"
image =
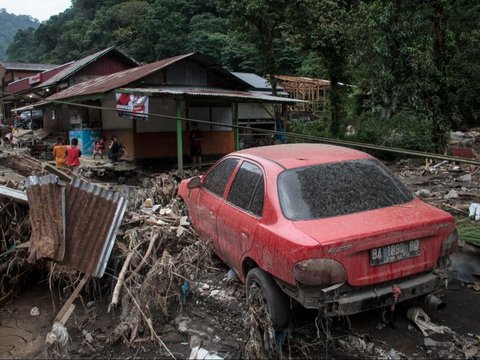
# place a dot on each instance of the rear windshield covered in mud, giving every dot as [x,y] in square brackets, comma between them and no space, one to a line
[335,189]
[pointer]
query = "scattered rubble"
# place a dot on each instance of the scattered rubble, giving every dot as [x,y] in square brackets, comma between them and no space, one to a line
[168,293]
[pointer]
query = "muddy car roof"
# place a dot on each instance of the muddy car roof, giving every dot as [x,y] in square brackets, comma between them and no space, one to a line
[299,155]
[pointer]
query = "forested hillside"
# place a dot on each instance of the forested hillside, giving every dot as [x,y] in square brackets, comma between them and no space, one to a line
[412,65]
[9,24]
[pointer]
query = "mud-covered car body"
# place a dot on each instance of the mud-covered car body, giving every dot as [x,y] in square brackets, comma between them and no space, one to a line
[332,226]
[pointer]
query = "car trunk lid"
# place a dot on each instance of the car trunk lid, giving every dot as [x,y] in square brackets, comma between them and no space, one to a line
[383,244]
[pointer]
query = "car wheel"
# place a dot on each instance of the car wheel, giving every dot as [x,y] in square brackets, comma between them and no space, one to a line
[263,290]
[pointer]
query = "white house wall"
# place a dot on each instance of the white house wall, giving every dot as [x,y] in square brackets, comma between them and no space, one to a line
[253,111]
[110,119]
[163,106]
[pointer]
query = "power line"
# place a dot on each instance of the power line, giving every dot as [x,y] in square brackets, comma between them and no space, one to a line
[295,135]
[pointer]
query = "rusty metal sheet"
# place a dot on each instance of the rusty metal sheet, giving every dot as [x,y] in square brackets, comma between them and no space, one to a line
[93,215]
[46,197]
[210,92]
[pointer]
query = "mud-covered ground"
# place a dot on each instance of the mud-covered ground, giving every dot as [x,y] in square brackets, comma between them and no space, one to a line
[214,316]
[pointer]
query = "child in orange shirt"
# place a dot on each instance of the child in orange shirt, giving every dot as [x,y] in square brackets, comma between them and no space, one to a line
[60,153]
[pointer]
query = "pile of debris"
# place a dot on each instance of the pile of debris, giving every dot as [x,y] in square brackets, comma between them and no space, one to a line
[157,262]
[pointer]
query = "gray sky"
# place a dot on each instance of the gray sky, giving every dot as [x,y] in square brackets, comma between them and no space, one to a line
[39,9]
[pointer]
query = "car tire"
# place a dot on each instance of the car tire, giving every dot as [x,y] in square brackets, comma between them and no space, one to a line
[261,286]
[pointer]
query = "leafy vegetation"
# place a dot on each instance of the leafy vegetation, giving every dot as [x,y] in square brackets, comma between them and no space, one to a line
[10,24]
[412,66]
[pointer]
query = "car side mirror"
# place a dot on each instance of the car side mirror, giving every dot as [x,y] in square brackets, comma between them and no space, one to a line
[194,182]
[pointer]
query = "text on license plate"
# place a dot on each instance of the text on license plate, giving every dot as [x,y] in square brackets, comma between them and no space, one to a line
[394,252]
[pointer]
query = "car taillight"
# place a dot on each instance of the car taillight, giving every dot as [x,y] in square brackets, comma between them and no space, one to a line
[450,244]
[319,272]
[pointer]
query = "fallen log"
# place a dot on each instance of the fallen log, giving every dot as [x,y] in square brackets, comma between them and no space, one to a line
[21,163]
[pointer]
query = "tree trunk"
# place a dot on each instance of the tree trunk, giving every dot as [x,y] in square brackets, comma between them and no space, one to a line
[440,111]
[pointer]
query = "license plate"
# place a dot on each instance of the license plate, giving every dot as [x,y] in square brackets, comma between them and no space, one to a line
[394,252]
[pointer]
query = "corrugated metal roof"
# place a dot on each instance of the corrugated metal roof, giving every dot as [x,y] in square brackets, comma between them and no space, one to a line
[27,67]
[80,64]
[255,81]
[209,92]
[110,82]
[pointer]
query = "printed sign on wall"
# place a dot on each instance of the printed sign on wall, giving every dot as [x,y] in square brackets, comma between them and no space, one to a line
[132,106]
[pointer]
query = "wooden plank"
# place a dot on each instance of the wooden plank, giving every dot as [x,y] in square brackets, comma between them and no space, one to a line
[67,314]
[64,310]
[50,340]
[56,171]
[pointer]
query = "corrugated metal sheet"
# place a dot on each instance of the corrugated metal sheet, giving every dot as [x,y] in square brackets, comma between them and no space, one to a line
[209,92]
[46,197]
[26,66]
[15,195]
[93,217]
[86,218]
[255,81]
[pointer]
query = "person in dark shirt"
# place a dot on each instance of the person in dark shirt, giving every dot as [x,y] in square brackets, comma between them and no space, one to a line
[116,150]
[196,137]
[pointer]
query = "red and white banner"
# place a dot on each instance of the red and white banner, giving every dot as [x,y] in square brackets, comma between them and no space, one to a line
[132,105]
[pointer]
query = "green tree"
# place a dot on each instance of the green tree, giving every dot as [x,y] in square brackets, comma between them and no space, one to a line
[259,22]
[401,59]
[320,26]
[9,25]
[23,41]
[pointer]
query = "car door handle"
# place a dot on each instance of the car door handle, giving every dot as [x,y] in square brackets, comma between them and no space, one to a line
[244,233]
[212,211]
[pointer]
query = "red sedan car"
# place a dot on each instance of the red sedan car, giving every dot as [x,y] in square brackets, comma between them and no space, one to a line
[327,226]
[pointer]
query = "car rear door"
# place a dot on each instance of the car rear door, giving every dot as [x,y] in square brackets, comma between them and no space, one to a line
[239,216]
[210,197]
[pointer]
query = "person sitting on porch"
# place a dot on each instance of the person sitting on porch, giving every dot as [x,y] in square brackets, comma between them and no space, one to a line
[116,150]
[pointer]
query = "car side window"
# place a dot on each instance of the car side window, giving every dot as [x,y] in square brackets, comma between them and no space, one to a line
[216,180]
[247,189]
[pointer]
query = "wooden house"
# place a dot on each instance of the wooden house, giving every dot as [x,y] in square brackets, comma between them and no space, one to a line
[173,93]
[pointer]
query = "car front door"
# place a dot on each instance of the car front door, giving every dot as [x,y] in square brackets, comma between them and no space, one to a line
[210,197]
[239,216]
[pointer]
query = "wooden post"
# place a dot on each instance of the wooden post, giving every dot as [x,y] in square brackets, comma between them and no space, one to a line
[235,129]
[179,135]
